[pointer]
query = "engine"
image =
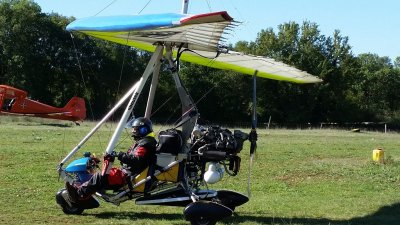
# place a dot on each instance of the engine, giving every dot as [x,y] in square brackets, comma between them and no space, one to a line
[219,148]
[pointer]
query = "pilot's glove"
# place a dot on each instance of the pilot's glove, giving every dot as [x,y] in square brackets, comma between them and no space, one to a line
[92,163]
[94,158]
[110,156]
[121,155]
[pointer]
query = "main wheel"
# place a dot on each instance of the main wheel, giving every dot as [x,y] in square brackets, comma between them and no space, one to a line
[202,221]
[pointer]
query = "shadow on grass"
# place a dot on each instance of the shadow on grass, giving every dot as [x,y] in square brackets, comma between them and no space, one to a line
[388,215]
[142,215]
[49,124]
[58,124]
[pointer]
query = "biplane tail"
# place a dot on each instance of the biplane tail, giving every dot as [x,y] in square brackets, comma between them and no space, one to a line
[77,107]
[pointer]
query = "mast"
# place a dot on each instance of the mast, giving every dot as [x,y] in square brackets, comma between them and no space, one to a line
[185,4]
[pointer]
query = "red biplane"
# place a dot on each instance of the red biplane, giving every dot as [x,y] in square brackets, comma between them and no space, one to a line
[15,102]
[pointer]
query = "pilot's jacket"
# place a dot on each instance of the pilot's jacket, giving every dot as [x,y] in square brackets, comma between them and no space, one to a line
[135,160]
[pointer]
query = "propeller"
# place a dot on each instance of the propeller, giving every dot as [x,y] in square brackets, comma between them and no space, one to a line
[253,133]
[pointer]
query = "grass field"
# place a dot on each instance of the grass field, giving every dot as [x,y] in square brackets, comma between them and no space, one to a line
[299,177]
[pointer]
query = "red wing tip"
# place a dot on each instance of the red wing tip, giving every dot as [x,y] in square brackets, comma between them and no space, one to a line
[202,18]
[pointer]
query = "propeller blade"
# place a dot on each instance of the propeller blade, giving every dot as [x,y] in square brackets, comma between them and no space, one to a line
[253,133]
[249,176]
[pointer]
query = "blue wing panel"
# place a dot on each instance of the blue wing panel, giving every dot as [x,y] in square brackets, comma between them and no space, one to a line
[125,23]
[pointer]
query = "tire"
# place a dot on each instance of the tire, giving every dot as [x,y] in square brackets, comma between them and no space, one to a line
[202,221]
[71,210]
[66,208]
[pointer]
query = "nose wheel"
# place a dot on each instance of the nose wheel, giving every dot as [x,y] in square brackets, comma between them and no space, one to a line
[205,212]
[63,199]
[202,221]
[67,207]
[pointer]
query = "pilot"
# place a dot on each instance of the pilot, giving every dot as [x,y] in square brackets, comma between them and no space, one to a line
[134,161]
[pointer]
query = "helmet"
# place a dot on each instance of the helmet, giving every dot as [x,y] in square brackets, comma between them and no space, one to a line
[141,127]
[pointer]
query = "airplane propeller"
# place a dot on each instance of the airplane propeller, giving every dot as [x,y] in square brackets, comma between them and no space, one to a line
[253,132]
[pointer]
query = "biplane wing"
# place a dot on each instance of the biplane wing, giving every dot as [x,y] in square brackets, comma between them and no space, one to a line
[14,101]
[202,34]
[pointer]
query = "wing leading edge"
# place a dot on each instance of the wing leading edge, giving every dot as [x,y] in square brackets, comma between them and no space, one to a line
[202,33]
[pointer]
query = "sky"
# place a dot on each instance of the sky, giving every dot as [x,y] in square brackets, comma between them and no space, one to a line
[373,26]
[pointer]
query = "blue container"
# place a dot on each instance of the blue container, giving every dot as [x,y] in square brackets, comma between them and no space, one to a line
[78,167]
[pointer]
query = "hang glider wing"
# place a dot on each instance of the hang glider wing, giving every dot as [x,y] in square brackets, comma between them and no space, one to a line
[202,34]
[248,64]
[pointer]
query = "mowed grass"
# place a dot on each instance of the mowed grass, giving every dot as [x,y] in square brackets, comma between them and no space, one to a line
[298,177]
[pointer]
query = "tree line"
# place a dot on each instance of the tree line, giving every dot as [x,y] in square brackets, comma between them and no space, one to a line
[38,55]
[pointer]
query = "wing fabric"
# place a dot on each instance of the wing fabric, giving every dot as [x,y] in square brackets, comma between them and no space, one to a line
[248,64]
[202,33]
[198,32]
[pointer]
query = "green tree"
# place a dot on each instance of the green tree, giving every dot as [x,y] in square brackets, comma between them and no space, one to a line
[35,53]
[378,87]
[39,56]
[397,62]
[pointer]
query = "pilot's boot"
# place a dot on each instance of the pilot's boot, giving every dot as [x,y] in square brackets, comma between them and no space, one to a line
[84,191]
[72,192]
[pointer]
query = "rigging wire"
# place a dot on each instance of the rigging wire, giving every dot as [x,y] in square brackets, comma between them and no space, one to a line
[176,108]
[242,17]
[203,96]
[105,7]
[162,105]
[194,106]
[120,78]
[127,39]
[236,9]
[209,5]
[148,2]
[63,141]
[81,73]
[123,64]
[121,141]
[83,80]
